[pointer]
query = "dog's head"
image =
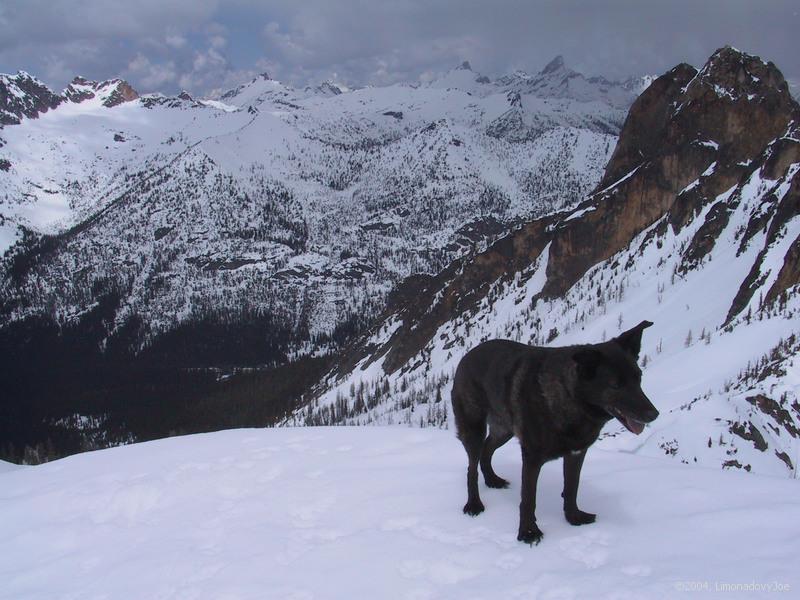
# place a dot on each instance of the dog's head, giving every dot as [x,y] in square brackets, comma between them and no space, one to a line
[609,379]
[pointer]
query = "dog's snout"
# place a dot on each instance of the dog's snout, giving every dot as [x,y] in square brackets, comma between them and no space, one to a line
[648,412]
[651,414]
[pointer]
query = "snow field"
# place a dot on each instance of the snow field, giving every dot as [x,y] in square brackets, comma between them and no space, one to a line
[376,513]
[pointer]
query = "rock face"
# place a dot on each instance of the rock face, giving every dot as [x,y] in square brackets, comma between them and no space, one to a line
[699,201]
[111,92]
[23,95]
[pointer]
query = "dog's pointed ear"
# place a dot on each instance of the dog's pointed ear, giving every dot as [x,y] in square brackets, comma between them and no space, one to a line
[631,340]
[587,359]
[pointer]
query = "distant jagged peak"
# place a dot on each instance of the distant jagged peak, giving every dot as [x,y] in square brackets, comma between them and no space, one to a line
[251,90]
[557,64]
[22,76]
[462,77]
[110,92]
[555,70]
[184,95]
[557,81]
[23,95]
[638,84]
[330,88]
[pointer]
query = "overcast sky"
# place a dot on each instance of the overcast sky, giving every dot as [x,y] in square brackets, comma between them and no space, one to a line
[203,45]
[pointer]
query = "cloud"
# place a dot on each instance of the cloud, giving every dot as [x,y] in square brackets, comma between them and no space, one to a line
[151,75]
[175,41]
[615,38]
[203,44]
[37,22]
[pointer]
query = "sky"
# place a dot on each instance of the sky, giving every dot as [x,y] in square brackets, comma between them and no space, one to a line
[206,46]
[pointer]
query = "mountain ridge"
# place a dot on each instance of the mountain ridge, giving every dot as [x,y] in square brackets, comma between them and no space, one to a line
[687,200]
[257,231]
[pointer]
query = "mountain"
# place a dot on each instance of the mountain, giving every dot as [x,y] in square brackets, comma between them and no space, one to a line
[348,512]
[22,95]
[260,230]
[557,81]
[109,93]
[694,225]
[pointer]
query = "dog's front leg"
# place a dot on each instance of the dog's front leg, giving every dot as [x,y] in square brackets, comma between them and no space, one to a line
[529,532]
[572,475]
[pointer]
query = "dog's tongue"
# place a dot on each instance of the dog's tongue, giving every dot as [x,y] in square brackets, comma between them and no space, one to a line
[633,425]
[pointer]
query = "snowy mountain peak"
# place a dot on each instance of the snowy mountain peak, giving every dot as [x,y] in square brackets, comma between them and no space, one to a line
[262,88]
[557,64]
[329,88]
[557,81]
[638,84]
[462,77]
[23,95]
[109,93]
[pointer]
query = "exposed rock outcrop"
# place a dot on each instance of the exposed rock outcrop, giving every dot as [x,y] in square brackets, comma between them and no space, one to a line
[22,95]
[111,92]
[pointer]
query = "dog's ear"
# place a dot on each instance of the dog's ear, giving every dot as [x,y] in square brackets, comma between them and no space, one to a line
[631,340]
[587,359]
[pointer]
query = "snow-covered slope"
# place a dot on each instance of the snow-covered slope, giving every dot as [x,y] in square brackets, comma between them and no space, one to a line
[376,513]
[314,202]
[694,227]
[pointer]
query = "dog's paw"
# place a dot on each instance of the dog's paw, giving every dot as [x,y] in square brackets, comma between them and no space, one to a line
[530,535]
[578,517]
[473,509]
[496,482]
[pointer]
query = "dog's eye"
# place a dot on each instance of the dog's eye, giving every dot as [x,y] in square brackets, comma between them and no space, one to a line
[616,385]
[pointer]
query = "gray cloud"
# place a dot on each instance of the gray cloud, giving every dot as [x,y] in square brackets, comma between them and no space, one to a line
[207,44]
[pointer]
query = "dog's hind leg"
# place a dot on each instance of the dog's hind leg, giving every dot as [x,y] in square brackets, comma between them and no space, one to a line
[572,474]
[471,432]
[492,443]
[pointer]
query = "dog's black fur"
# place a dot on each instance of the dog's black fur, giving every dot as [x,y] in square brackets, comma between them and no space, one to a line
[555,401]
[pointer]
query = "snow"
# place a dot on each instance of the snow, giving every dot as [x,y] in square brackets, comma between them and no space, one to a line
[376,513]
[709,144]
[620,180]
[7,466]
[9,234]
[580,213]
[219,105]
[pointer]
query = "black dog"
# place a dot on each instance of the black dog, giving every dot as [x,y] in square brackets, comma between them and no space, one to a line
[556,401]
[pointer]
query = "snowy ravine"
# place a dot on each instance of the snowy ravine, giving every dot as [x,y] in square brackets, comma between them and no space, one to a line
[376,513]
